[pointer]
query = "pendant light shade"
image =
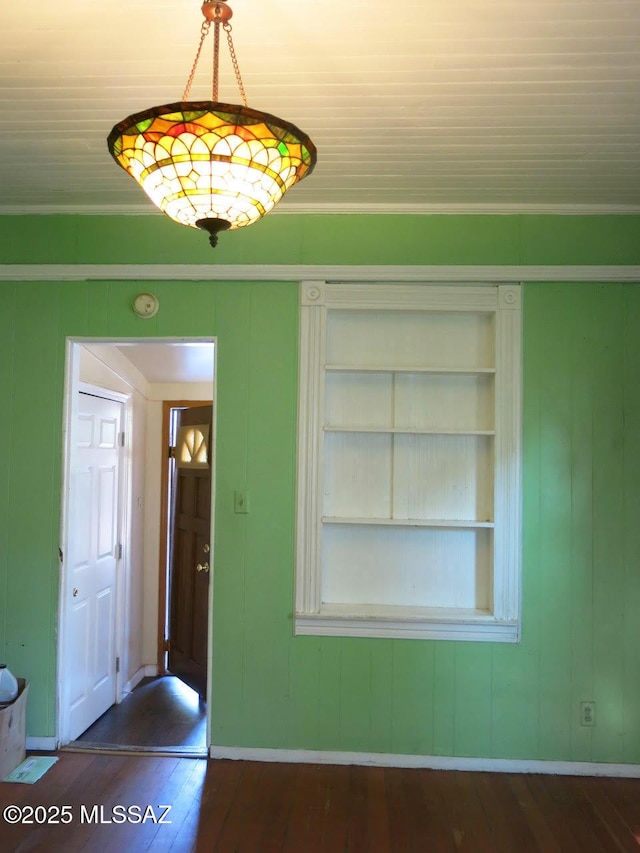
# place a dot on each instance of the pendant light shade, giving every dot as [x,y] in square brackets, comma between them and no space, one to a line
[211,165]
[208,164]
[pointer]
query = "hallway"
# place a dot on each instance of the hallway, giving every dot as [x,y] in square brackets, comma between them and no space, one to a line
[159,713]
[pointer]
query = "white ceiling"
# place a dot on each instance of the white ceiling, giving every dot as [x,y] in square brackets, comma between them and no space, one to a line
[440,104]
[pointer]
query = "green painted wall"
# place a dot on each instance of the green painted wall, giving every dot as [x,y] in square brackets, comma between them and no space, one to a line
[581,586]
[325,239]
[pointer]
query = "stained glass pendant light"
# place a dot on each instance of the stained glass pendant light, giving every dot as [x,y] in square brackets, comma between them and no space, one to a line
[208,164]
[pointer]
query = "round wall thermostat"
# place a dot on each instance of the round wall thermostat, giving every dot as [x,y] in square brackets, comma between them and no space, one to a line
[146,305]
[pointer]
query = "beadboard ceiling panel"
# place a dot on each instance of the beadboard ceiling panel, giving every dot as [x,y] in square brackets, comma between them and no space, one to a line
[442,104]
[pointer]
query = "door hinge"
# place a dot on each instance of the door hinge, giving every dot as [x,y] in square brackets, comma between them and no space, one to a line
[117,665]
[119,551]
[121,439]
[172,452]
[166,646]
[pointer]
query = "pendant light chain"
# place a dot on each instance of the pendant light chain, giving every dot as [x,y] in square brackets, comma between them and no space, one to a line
[204,31]
[234,59]
[216,61]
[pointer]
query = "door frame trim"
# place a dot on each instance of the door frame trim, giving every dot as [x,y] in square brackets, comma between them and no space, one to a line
[163,556]
[73,386]
[71,383]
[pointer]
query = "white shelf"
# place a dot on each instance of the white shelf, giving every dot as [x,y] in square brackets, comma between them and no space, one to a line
[353,368]
[454,523]
[409,430]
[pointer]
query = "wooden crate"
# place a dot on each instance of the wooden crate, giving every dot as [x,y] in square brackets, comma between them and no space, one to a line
[13,731]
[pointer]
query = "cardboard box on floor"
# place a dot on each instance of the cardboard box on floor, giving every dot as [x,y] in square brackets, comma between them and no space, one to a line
[13,734]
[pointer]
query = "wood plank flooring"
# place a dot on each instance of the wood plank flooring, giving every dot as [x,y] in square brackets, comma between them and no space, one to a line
[160,712]
[249,807]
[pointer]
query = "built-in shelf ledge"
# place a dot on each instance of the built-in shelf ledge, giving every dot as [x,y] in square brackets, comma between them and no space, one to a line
[354,368]
[407,622]
[409,522]
[408,430]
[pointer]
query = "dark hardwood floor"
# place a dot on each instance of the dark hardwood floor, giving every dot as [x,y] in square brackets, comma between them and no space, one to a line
[249,807]
[160,712]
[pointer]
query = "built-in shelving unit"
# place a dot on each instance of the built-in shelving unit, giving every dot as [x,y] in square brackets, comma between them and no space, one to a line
[407,439]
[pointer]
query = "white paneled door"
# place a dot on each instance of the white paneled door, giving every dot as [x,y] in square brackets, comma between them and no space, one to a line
[90,588]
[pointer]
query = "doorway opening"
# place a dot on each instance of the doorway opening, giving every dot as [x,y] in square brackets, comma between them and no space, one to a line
[185,541]
[149,705]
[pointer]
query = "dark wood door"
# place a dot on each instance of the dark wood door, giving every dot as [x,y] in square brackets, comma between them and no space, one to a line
[190,552]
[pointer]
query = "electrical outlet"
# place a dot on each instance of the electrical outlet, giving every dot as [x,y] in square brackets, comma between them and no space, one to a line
[587,713]
[240,502]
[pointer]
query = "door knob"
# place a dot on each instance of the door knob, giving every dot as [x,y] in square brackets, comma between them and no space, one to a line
[203,567]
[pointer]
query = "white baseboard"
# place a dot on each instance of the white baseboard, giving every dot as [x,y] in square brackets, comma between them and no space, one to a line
[42,744]
[431,762]
[133,682]
[147,671]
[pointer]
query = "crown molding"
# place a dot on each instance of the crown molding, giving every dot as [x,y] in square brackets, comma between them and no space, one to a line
[336,209]
[479,274]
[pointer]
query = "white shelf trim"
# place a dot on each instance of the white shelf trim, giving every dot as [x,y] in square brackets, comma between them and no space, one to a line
[408,430]
[310,440]
[456,371]
[508,451]
[454,523]
[463,627]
